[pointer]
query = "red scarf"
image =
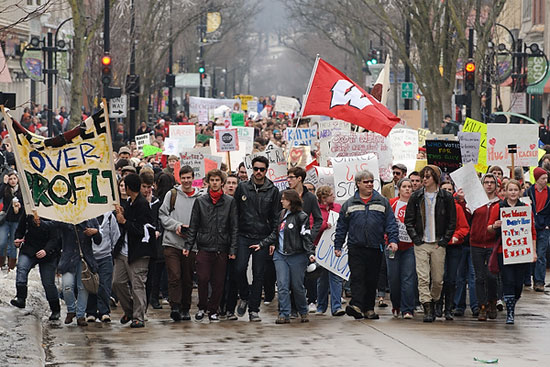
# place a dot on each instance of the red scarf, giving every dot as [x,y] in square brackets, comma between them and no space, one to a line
[215,195]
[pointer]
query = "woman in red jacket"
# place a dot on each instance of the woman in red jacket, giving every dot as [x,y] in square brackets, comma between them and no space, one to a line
[512,274]
[452,258]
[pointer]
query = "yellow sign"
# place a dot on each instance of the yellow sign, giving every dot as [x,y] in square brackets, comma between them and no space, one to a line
[70,177]
[244,100]
[213,21]
[474,126]
[422,133]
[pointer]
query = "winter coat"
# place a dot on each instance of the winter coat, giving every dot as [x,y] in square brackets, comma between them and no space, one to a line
[310,206]
[542,218]
[43,237]
[171,220]
[73,238]
[297,235]
[7,198]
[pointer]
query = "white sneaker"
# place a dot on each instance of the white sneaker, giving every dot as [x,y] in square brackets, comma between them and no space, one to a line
[312,308]
[90,318]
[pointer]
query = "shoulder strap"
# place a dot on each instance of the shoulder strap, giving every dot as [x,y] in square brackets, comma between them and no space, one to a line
[173,195]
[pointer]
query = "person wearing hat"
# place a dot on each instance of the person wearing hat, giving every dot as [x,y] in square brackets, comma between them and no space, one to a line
[172,160]
[430,219]
[124,153]
[390,190]
[126,170]
[540,203]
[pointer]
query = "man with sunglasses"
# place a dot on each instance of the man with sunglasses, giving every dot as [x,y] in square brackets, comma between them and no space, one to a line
[258,205]
[365,219]
[390,190]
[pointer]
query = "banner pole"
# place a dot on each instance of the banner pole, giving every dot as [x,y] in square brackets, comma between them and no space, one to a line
[110,146]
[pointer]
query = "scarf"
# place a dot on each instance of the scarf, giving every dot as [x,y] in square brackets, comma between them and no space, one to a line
[14,189]
[215,195]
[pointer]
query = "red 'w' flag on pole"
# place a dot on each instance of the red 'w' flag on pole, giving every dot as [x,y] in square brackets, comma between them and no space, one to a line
[332,93]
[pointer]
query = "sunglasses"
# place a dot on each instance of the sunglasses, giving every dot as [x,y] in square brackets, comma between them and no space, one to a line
[367,182]
[261,169]
[396,173]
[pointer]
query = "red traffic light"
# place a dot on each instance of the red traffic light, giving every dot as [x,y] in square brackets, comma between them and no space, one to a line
[470,67]
[106,60]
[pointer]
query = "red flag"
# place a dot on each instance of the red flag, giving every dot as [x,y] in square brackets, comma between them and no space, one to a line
[332,93]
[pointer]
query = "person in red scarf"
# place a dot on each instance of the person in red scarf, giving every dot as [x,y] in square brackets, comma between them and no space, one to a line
[213,229]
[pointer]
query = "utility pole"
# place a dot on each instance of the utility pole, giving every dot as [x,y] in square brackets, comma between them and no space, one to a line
[470,56]
[50,49]
[202,32]
[131,83]
[106,42]
[171,78]
[407,68]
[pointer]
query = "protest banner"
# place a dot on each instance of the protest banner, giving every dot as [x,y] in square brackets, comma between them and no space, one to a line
[469,146]
[244,98]
[404,147]
[197,159]
[227,140]
[142,140]
[184,133]
[345,169]
[311,174]
[286,104]
[324,252]
[237,119]
[300,136]
[422,133]
[517,236]
[68,178]
[444,154]
[325,176]
[197,104]
[327,128]
[298,156]
[465,178]
[525,136]
[473,126]
[277,171]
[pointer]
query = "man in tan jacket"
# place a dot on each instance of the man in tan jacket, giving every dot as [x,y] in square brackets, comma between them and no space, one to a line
[390,190]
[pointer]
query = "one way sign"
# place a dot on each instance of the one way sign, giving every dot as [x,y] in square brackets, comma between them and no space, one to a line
[118,106]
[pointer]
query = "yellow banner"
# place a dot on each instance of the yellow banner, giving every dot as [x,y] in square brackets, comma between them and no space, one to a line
[70,177]
[474,126]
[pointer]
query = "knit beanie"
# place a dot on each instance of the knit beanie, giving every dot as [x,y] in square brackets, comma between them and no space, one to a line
[539,172]
[436,172]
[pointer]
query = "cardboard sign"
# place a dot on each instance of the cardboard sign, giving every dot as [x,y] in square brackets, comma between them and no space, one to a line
[469,146]
[227,140]
[277,171]
[465,178]
[345,169]
[525,136]
[517,236]
[412,118]
[404,146]
[473,126]
[445,154]
[299,156]
[237,119]
[184,133]
[324,252]
[142,140]
[422,133]
[286,105]
[299,136]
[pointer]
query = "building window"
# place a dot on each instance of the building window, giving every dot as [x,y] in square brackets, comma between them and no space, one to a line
[526,9]
[538,12]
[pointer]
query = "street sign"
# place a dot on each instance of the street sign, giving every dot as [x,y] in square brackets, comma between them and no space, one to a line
[407,90]
[118,107]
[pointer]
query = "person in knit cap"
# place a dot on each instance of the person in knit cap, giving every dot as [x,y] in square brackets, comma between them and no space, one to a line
[430,220]
[540,200]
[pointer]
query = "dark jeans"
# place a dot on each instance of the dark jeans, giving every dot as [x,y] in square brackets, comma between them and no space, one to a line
[383,276]
[47,274]
[98,304]
[512,277]
[230,289]
[270,278]
[364,265]
[452,259]
[179,269]
[252,294]
[210,272]
[465,275]
[486,282]
[156,268]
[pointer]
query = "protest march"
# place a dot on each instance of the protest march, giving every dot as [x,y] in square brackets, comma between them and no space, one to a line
[330,197]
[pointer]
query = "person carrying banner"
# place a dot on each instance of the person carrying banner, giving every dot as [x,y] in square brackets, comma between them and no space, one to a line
[175,215]
[540,203]
[213,230]
[12,199]
[258,206]
[512,274]
[365,219]
[430,219]
[132,253]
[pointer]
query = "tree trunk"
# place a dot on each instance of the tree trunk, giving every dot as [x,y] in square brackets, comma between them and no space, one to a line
[78,59]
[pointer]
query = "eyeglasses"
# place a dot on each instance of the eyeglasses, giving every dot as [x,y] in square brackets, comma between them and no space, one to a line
[292,177]
[261,169]
[367,182]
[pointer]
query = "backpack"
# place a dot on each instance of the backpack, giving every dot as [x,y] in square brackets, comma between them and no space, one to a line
[173,195]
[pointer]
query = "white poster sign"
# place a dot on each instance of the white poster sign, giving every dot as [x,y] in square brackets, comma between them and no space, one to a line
[277,171]
[300,136]
[227,140]
[171,146]
[142,140]
[184,133]
[324,252]
[286,104]
[465,178]
[345,169]
[325,176]
[525,136]
[197,104]
[252,106]
[517,235]
[469,146]
[404,146]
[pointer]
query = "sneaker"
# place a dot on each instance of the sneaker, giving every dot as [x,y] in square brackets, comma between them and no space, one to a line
[137,324]
[106,318]
[459,312]
[419,309]
[322,312]
[343,300]
[112,302]
[69,318]
[500,305]
[185,315]
[539,287]
[81,321]
[371,315]
[312,308]
[267,303]
[303,318]
[222,316]
[199,316]
[339,312]
[125,319]
[241,307]
[475,312]
[408,316]
[155,304]
[381,302]
[231,316]
[254,317]
[90,318]
[354,311]
[293,315]
[214,317]
[282,320]
[395,312]
[175,314]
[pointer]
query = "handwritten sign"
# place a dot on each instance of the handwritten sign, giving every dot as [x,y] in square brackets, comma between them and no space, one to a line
[404,147]
[227,140]
[444,153]
[185,134]
[237,119]
[469,146]
[325,176]
[277,171]
[142,140]
[345,169]
[465,178]
[422,133]
[324,252]
[299,156]
[200,104]
[300,136]
[525,136]
[517,238]
[473,126]
[286,104]
[197,159]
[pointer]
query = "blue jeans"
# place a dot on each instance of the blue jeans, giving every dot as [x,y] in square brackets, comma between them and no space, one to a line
[329,280]
[465,275]
[73,304]
[543,237]
[47,274]
[402,279]
[7,233]
[252,294]
[98,305]
[290,273]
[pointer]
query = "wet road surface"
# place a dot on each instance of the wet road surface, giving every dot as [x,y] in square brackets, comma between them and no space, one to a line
[324,341]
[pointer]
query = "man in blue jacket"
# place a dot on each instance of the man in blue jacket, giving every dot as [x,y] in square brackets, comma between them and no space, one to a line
[365,218]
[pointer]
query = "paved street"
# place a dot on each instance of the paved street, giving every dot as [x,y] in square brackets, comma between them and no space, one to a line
[325,341]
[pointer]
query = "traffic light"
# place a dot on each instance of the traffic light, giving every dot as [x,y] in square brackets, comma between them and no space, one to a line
[204,76]
[373,57]
[106,69]
[202,69]
[469,75]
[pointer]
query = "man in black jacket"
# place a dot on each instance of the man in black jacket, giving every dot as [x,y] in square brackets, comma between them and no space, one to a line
[258,206]
[430,219]
[213,228]
[132,253]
